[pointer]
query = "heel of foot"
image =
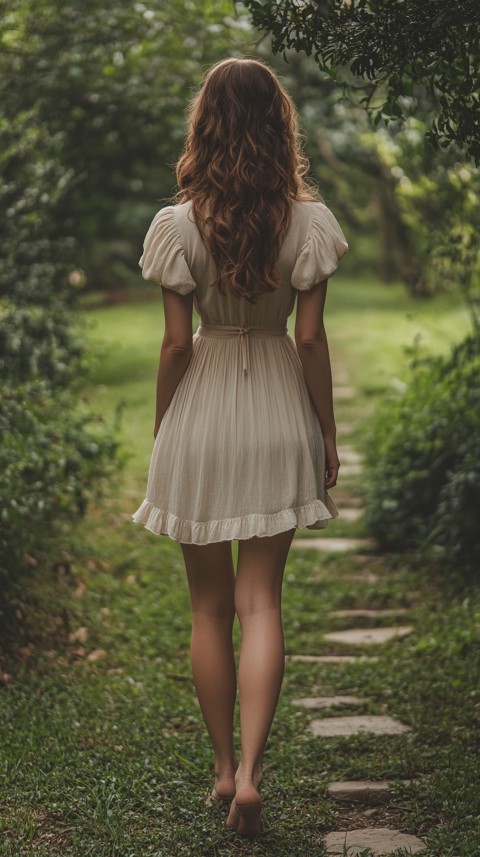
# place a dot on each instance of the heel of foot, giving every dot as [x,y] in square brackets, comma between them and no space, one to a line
[250,819]
[233,817]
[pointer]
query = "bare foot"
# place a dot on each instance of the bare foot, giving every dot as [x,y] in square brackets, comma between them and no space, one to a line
[245,810]
[249,818]
[224,787]
[250,784]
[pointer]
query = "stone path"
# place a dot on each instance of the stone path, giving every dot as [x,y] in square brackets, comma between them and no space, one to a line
[380,841]
[328,701]
[350,513]
[342,392]
[358,793]
[350,469]
[333,544]
[345,428]
[367,614]
[349,455]
[377,724]
[368,636]
[329,659]
[347,498]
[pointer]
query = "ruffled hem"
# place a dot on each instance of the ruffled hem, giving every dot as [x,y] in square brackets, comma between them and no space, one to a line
[314,516]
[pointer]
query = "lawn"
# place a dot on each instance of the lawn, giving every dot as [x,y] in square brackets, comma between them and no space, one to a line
[104,751]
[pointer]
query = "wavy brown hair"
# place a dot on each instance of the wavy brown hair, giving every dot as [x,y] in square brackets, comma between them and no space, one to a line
[241,166]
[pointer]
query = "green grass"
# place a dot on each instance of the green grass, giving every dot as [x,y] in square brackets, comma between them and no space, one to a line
[111,758]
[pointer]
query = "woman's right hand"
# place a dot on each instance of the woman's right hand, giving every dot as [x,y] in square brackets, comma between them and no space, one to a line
[332,462]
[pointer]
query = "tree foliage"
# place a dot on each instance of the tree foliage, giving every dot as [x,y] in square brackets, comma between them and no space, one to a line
[103,87]
[399,54]
[429,211]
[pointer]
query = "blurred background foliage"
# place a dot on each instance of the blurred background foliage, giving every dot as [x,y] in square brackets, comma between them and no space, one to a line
[414,69]
[91,124]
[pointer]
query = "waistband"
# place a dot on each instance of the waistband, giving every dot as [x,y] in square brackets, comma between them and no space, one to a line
[226,329]
[222,330]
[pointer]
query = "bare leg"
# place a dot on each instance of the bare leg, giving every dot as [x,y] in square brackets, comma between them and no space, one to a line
[211,580]
[258,592]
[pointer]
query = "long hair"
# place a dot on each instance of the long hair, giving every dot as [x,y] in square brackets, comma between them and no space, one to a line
[242,165]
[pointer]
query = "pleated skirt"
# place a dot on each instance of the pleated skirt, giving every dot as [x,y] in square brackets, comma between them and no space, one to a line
[239,453]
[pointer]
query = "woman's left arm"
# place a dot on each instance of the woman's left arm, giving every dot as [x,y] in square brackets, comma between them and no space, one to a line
[176,351]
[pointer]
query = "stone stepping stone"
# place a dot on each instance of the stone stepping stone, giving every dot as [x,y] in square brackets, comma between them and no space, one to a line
[329,659]
[333,545]
[377,724]
[345,428]
[368,636]
[341,378]
[340,373]
[367,614]
[349,455]
[350,470]
[382,841]
[360,791]
[356,501]
[317,702]
[347,497]
[342,391]
[350,513]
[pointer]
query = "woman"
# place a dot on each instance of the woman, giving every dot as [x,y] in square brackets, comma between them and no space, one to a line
[244,432]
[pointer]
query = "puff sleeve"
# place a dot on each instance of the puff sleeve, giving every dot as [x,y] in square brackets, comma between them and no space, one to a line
[324,246]
[163,259]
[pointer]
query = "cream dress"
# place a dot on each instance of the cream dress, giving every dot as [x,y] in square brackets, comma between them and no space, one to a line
[240,450]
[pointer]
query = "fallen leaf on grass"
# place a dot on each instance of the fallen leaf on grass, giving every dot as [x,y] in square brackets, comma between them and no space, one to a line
[96,655]
[79,652]
[25,651]
[80,635]
[80,589]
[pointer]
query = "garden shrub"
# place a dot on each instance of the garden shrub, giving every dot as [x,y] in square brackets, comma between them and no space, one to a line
[37,341]
[54,456]
[422,456]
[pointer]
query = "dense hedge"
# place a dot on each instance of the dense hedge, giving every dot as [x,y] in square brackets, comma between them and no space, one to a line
[54,457]
[37,341]
[422,453]
[55,454]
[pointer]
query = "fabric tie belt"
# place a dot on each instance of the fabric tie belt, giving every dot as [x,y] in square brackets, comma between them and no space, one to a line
[221,330]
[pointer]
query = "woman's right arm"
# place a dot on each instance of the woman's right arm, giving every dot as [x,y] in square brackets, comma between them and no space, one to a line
[312,348]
